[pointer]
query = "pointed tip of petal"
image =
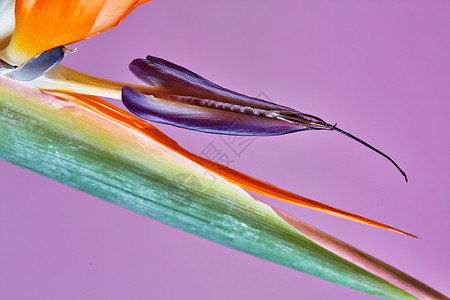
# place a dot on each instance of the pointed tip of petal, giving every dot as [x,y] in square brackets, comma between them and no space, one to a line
[113,13]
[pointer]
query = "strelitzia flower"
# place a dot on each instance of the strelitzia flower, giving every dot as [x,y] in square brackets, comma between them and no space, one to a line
[53,122]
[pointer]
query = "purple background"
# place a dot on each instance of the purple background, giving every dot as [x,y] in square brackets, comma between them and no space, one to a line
[379,68]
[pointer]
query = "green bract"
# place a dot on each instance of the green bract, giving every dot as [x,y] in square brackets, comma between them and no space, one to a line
[81,148]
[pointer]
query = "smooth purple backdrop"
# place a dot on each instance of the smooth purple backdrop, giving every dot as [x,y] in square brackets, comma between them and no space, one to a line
[381,69]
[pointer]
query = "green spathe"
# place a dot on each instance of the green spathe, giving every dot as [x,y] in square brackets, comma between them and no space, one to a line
[80,148]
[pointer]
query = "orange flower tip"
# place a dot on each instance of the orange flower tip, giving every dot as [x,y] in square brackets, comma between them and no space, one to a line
[407,234]
[45,24]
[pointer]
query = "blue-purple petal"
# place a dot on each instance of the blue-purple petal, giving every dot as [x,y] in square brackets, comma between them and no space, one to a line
[183,98]
[202,118]
[168,77]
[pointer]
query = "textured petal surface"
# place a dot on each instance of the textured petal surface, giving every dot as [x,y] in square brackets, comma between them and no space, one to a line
[188,100]
[165,76]
[212,119]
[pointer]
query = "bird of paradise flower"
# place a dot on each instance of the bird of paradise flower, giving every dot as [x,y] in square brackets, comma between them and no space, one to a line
[130,166]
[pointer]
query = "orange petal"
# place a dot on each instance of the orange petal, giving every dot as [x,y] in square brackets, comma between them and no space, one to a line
[258,186]
[45,24]
[244,181]
[113,12]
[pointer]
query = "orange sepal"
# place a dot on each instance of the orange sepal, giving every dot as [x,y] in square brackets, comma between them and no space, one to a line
[244,181]
[45,24]
[113,12]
